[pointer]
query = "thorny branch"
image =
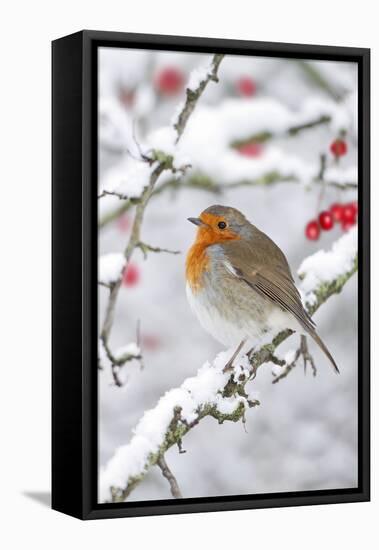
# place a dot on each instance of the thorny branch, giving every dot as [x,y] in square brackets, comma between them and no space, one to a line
[162,162]
[178,427]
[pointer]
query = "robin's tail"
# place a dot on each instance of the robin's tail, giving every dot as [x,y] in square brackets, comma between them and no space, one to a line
[318,341]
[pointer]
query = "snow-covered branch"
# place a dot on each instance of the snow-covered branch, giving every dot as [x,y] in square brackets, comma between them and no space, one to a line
[210,148]
[212,392]
[198,81]
[265,135]
[146,173]
[343,180]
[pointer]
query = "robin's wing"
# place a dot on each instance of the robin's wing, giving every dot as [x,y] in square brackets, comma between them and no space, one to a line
[263,266]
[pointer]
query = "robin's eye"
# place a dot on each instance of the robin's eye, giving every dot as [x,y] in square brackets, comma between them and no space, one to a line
[221,225]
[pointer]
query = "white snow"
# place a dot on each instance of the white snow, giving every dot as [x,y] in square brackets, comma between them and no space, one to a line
[212,129]
[205,388]
[129,349]
[195,393]
[342,175]
[198,75]
[129,177]
[164,140]
[323,267]
[206,143]
[290,356]
[102,354]
[236,119]
[110,267]
[254,458]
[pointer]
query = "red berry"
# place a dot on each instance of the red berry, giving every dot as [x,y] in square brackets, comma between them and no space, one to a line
[349,214]
[326,220]
[169,81]
[150,342]
[354,204]
[253,149]
[131,275]
[123,223]
[338,147]
[312,230]
[246,86]
[336,209]
[347,225]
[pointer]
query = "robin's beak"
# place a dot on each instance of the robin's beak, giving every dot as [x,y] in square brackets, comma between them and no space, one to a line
[196,221]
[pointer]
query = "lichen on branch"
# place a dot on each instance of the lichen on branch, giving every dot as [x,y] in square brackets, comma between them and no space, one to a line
[212,392]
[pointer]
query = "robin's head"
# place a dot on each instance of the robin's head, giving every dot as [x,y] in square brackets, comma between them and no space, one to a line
[218,224]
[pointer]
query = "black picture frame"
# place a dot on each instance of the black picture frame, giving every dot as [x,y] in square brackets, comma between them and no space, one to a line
[74,271]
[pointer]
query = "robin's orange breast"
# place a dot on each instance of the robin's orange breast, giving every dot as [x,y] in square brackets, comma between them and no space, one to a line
[196,264]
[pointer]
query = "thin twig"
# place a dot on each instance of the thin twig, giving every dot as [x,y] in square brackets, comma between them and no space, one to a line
[267,135]
[202,182]
[120,361]
[179,427]
[322,182]
[145,248]
[192,96]
[167,473]
[163,162]
[120,196]
[311,71]
[115,371]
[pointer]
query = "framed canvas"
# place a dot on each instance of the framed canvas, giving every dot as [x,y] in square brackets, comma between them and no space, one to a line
[188,371]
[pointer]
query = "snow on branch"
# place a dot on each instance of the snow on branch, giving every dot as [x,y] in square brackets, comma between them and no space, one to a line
[142,178]
[327,271]
[212,392]
[335,177]
[209,148]
[198,81]
[110,267]
[215,131]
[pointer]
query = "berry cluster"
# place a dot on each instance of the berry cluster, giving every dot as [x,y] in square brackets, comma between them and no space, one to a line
[344,214]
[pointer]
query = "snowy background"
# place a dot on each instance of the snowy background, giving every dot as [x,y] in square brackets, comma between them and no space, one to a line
[304,434]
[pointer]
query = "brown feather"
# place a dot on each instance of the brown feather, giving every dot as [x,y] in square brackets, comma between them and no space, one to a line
[259,262]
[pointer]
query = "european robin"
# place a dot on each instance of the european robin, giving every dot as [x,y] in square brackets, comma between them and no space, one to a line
[239,283]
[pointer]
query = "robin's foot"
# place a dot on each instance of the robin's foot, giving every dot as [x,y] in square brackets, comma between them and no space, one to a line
[229,365]
[307,357]
[301,351]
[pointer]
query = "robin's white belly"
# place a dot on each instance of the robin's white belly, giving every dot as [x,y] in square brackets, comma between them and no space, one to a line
[229,325]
